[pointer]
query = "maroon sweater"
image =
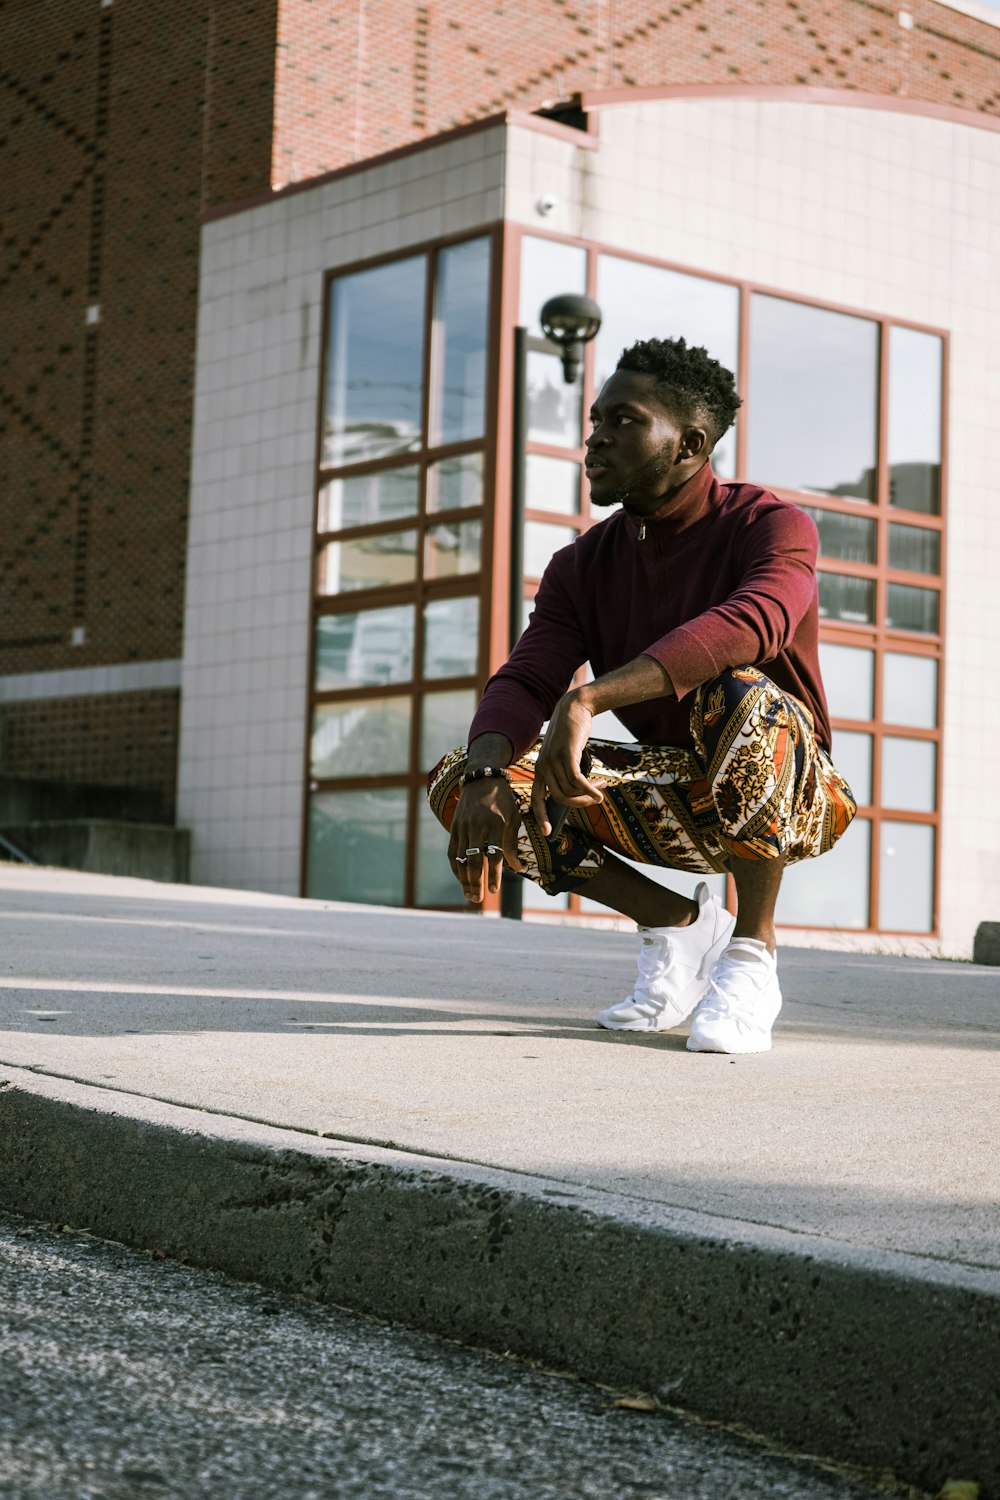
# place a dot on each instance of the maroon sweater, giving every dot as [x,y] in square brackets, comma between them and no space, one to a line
[725,576]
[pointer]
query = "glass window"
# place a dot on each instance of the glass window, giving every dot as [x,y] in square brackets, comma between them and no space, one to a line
[541,540]
[915,548]
[436,885]
[357,846]
[452,548]
[852,755]
[831,891]
[909,774]
[554,408]
[361,737]
[850,538]
[909,690]
[906,878]
[444,723]
[913,609]
[364,649]
[366,499]
[384,561]
[451,637]
[552,484]
[849,680]
[374,373]
[548,268]
[915,420]
[463,287]
[842,597]
[641,302]
[455,483]
[813,399]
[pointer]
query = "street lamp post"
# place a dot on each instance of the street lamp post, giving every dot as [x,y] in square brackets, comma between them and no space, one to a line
[568,322]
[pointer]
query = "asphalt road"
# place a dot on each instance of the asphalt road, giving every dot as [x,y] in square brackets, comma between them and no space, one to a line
[125,1377]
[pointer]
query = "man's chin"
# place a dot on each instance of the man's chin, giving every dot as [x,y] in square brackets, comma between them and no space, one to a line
[604,495]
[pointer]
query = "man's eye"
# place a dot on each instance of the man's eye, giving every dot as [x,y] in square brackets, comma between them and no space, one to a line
[623,418]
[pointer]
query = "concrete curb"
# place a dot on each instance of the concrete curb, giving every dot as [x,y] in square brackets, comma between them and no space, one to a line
[882,1360]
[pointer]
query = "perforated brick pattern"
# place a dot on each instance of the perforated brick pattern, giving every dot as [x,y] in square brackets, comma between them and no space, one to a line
[116,739]
[354,80]
[118,125]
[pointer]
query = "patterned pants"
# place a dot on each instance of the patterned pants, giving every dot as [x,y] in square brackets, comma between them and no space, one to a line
[755,786]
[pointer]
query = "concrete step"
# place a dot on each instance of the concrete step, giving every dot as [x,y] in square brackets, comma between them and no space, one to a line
[103,846]
[415,1115]
[879,1359]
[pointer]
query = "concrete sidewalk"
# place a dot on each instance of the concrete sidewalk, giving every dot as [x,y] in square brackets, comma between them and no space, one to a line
[835,1199]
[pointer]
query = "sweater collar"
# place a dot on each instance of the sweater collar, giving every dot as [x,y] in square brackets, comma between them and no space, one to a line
[695,499]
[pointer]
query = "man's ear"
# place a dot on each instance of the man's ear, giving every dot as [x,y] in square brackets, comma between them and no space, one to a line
[694,443]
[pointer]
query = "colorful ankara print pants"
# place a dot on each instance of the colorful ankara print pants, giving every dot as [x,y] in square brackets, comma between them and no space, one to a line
[755,786]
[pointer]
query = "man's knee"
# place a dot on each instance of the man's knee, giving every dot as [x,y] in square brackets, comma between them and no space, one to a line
[717,700]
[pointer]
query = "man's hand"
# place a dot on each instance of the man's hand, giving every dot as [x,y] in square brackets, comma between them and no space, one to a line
[487,818]
[557,771]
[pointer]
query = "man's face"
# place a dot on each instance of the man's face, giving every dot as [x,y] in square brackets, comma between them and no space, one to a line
[634,447]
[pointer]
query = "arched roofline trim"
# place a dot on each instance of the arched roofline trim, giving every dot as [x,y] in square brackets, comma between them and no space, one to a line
[592,100]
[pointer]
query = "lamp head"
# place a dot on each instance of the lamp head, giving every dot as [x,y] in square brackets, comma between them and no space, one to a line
[570,321]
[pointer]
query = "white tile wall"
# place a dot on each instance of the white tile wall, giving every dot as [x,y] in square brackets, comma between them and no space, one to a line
[892,213]
[250,543]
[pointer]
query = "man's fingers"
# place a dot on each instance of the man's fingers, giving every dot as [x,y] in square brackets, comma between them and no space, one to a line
[510,850]
[538,791]
[472,878]
[494,867]
[574,783]
[477,877]
[566,785]
[482,837]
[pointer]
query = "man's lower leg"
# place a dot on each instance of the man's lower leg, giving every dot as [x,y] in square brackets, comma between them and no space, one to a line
[626,890]
[757,883]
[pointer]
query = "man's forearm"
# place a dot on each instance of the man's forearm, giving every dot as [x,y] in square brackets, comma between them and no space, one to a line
[636,682]
[490,750]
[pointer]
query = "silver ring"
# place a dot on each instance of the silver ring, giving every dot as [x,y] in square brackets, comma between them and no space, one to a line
[460,861]
[493,849]
[469,852]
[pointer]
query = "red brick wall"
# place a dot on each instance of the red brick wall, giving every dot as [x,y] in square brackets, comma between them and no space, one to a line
[362,76]
[114,739]
[119,125]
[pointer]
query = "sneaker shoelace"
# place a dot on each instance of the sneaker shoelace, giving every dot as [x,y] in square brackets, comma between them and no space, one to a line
[656,957]
[740,1006]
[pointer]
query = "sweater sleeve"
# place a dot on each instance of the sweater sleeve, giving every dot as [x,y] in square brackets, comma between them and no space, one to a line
[522,694]
[776,561]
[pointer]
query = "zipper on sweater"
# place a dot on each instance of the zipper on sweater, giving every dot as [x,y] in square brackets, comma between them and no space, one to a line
[642,531]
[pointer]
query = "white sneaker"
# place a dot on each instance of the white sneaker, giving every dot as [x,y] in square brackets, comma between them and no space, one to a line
[742,1003]
[674,965]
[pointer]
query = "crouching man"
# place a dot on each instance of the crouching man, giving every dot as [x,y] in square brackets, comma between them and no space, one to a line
[696,605]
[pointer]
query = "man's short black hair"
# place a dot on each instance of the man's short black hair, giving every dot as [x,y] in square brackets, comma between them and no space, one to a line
[698,389]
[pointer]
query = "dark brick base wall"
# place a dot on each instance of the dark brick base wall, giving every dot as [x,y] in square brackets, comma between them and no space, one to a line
[117,739]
